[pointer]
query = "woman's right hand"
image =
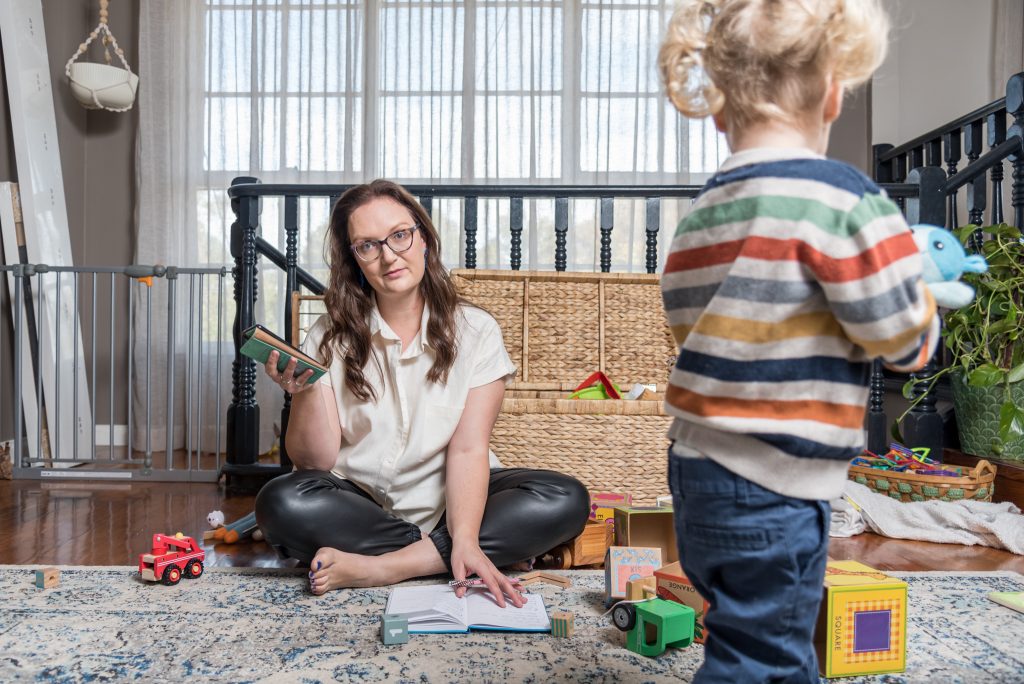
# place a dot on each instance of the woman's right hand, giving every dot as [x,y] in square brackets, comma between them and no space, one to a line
[286,379]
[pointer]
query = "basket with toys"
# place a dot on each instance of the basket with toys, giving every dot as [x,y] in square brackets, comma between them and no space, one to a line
[909,475]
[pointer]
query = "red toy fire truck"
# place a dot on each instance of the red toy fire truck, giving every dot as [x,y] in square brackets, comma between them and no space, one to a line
[171,558]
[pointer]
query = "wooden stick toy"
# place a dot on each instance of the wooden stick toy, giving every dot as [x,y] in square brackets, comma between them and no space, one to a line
[549,577]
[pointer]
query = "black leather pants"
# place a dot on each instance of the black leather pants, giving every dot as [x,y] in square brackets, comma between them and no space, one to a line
[527,513]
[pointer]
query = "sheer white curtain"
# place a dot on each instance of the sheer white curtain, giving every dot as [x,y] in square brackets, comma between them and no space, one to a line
[441,92]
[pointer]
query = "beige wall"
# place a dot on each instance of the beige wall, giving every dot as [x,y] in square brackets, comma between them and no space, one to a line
[937,68]
[97,154]
[851,133]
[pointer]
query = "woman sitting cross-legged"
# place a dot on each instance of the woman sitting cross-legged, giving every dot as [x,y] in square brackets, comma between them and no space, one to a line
[394,476]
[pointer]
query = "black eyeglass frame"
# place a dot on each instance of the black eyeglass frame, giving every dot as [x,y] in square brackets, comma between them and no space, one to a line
[380,244]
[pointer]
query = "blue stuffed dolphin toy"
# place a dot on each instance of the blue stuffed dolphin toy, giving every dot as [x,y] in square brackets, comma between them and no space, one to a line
[944,261]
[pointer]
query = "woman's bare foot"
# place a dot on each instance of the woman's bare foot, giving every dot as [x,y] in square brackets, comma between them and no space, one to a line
[334,569]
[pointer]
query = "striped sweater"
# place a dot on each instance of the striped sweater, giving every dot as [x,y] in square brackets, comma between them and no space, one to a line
[788,276]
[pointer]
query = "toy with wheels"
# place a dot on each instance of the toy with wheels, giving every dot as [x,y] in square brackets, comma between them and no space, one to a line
[171,558]
[654,625]
[589,548]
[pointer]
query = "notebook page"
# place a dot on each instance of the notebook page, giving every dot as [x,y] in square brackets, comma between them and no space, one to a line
[428,607]
[486,614]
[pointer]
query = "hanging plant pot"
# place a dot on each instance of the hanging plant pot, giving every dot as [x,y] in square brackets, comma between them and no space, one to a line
[977,419]
[102,86]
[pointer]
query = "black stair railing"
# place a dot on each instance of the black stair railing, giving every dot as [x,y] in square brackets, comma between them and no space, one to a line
[999,124]
[242,469]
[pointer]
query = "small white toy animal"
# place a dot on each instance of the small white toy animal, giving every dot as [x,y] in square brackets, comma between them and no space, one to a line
[215,519]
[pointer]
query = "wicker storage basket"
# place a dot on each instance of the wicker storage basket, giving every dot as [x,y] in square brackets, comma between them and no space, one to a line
[977,483]
[559,328]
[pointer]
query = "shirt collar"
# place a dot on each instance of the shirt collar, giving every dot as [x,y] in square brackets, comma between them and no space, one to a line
[380,328]
[760,155]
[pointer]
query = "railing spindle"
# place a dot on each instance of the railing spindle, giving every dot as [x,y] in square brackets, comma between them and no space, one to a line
[951,143]
[977,189]
[515,219]
[917,157]
[1015,108]
[996,136]
[899,168]
[561,231]
[243,419]
[877,431]
[291,229]
[607,221]
[470,223]
[652,229]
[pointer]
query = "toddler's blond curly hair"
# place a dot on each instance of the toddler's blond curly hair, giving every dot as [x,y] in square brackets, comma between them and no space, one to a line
[757,60]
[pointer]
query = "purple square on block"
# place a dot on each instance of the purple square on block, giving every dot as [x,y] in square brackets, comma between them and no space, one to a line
[871,631]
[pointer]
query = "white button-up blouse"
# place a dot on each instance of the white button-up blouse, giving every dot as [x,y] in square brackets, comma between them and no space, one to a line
[394,449]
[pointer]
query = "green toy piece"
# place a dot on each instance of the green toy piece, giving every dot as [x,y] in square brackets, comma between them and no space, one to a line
[394,629]
[655,625]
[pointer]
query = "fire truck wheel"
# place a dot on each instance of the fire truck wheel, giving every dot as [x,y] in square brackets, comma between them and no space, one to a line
[194,569]
[172,575]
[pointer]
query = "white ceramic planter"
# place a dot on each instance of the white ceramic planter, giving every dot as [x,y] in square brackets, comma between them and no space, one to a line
[101,86]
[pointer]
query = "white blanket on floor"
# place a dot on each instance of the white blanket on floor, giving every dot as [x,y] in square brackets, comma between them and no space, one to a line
[999,525]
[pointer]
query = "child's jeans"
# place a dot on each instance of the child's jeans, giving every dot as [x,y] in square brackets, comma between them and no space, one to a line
[759,560]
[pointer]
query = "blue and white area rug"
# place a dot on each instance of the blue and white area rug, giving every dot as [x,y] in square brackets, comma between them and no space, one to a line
[260,625]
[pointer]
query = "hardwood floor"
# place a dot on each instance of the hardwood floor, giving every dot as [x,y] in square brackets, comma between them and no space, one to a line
[111,523]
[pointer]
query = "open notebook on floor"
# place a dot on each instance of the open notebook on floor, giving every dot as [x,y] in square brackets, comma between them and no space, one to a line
[435,608]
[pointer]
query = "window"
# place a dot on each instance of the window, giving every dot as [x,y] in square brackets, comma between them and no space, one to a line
[459,91]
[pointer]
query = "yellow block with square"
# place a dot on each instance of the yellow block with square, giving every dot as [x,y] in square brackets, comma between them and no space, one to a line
[862,625]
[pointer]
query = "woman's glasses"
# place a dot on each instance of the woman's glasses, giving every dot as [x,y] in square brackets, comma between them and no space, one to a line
[398,242]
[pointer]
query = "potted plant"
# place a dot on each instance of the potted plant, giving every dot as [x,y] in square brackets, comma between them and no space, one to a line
[985,340]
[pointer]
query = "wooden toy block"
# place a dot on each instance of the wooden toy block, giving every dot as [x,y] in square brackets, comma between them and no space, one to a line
[541,576]
[394,629]
[647,526]
[625,563]
[562,624]
[210,535]
[639,589]
[862,623]
[602,505]
[47,578]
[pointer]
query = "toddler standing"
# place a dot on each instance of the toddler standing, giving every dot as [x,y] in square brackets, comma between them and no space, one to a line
[790,274]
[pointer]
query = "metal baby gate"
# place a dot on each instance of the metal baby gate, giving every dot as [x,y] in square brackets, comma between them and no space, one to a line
[117,372]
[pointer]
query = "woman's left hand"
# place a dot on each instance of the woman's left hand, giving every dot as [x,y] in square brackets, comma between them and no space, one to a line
[469,559]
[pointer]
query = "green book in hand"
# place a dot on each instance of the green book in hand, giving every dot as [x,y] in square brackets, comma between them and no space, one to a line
[259,342]
[1010,599]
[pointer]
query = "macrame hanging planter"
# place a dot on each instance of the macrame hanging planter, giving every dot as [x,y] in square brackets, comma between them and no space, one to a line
[102,86]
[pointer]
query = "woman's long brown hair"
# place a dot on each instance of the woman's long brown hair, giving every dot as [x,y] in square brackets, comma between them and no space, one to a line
[348,297]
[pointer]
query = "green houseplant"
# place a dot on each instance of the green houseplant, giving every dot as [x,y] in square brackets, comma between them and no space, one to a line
[986,344]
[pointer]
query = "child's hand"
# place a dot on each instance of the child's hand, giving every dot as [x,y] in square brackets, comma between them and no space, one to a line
[944,261]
